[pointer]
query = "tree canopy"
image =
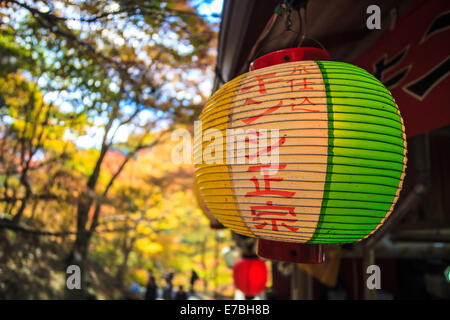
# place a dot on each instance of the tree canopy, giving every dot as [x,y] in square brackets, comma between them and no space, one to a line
[89,91]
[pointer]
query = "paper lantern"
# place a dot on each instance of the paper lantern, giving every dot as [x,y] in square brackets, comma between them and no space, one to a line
[250,276]
[341,145]
[213,223]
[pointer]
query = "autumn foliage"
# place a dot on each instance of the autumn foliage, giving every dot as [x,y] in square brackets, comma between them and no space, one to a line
[89,92]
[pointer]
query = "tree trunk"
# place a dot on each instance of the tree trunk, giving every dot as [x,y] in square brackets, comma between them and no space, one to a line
[24,181]
[79,253]
[123,267]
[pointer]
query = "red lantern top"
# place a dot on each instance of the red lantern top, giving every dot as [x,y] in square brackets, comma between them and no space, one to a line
[250,276]
[289,55]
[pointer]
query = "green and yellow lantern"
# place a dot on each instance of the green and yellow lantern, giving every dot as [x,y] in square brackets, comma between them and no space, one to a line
[340,147]
[213,223]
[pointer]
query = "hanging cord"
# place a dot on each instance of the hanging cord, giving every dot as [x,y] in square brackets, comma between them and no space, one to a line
[317,42]
[303,29]
[287,7]
[288,22]
[302,13]
[287,28]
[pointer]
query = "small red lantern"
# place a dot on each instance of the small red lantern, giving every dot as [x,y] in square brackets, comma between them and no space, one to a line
[250,276]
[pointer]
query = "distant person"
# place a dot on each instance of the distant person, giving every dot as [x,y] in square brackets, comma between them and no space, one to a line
[181,294]
[194,277]
[135,292]
[168,288]
[151,292]
[91,296]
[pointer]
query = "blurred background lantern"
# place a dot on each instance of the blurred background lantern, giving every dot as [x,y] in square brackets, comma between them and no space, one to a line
[230,256]
[342,154]
[213,222]
[250,276]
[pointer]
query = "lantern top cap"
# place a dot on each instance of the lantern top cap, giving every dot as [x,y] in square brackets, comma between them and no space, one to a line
[289,55]
[250,256]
